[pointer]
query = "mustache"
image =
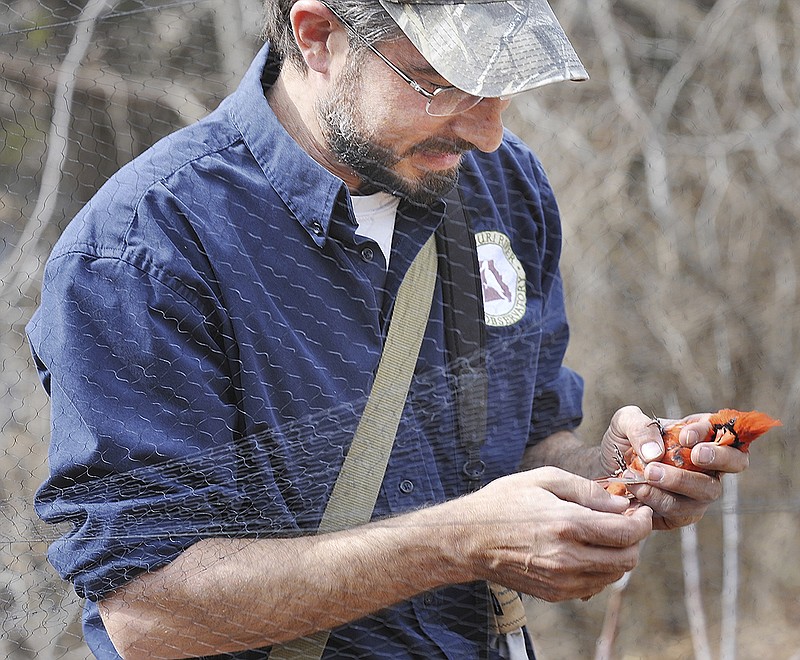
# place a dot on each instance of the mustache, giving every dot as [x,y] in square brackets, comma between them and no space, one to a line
[442,145]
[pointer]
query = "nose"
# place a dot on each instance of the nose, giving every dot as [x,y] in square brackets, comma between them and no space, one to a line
[483,124]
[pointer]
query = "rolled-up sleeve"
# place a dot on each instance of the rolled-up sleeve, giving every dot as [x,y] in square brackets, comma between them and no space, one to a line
[141,457]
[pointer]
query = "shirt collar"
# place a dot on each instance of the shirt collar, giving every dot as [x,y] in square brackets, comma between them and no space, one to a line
[309,191]
[306,187]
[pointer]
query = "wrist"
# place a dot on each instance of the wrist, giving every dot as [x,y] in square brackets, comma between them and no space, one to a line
[440,538]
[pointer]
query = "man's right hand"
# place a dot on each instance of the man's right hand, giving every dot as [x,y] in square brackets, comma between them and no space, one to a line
[549,533]
[545,532]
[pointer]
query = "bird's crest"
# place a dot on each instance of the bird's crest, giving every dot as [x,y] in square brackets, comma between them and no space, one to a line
[738,429]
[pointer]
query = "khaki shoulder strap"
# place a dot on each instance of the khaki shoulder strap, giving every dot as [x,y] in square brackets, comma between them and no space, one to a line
[356,489]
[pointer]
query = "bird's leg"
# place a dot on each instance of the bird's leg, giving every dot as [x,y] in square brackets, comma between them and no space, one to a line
[620,461]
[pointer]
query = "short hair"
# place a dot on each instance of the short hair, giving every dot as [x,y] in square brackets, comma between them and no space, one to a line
[367,16]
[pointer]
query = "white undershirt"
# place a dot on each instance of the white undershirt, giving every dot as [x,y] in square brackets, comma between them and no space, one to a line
[375,215]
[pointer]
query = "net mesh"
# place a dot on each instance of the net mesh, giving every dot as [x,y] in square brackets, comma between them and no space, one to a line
[675,171]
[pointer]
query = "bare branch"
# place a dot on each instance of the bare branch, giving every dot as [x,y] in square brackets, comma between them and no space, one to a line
[21,266]
[693,593]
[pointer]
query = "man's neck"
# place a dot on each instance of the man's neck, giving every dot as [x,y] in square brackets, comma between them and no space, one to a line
[293,100]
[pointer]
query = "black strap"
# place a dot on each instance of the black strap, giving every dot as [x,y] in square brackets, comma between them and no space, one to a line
[465,329]
[462,295]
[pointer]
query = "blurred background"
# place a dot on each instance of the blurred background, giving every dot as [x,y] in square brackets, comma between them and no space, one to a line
[677,169]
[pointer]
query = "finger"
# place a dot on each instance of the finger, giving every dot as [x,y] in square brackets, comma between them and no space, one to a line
[694,485]
[605,530]
[697,429]
[680,515]
[721,459]
[584,588]
[666,481]
[589,583]
[597,569]
[694,417]
[670,510]
[611,564]
[572,488]
[630,425]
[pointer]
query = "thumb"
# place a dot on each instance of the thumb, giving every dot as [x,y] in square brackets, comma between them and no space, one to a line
[630,427]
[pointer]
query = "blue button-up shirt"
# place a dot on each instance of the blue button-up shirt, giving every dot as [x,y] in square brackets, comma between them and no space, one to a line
[209,331]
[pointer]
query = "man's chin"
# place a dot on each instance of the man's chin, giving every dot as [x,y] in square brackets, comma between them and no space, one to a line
[436,185]
[423,190]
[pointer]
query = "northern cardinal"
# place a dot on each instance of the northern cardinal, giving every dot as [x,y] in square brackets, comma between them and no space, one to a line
[728,427]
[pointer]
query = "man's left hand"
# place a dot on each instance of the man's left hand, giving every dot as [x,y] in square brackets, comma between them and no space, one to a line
[678,497]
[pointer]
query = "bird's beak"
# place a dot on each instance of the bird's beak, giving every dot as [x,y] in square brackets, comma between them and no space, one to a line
[725,437]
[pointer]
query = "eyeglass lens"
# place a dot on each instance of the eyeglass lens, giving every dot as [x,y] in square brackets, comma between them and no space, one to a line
[451,101]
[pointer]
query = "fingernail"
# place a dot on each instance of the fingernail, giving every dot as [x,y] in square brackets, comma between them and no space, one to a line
[654,472]
[692,438]
[705,454]
[650,451]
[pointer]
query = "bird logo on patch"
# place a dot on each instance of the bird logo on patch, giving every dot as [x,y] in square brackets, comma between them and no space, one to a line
[502,279]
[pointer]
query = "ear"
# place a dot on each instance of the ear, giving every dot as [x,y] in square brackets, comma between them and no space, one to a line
[318,34]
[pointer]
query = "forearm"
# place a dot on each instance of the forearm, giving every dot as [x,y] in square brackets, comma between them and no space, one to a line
[224,595]
[544,532]
[567,451]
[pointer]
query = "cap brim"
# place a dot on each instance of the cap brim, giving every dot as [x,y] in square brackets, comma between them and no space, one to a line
[493,48]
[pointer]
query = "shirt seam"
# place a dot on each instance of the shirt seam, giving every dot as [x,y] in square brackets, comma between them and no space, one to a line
[120,258]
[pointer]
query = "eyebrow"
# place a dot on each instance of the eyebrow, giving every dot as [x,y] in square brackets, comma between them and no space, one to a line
[429,72]
[424,71]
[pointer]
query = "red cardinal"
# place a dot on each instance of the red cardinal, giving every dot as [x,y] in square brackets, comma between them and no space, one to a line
[728,427]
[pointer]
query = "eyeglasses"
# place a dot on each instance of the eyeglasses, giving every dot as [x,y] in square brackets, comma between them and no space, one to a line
[443,101]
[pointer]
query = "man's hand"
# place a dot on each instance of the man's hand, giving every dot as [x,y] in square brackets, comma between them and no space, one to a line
[545,532]
[549,533]
[678,497]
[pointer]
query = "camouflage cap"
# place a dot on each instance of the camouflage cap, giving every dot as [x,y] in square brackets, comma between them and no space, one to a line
[489,47]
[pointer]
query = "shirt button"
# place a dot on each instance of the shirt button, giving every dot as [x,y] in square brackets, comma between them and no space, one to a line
[367,254]
[316,227]
[428,599]
[406,486]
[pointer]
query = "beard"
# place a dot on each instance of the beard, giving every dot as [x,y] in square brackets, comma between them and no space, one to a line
[354,145]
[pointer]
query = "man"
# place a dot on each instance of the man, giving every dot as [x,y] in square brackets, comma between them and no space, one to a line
[210,328]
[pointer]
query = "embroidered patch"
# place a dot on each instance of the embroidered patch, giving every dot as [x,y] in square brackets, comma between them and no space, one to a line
[502,277]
